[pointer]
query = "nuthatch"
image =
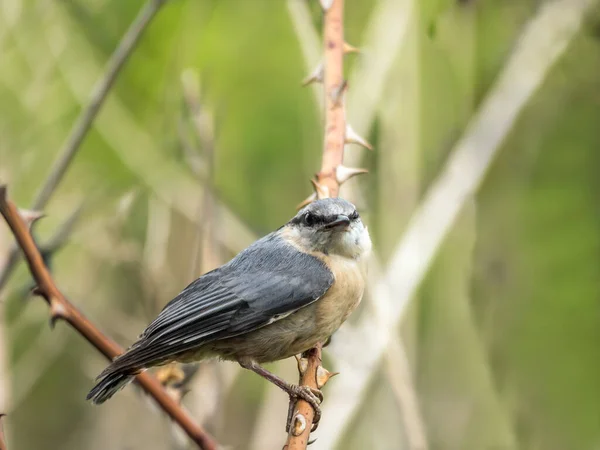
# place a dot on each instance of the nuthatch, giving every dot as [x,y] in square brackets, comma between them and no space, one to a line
[279,297]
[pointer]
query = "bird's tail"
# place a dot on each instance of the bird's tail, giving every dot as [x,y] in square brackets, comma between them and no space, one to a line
[109,385]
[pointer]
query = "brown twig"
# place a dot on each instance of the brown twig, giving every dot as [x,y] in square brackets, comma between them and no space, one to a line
[335,87]
[2,440]
[327,184]
[86,118]
[61,308]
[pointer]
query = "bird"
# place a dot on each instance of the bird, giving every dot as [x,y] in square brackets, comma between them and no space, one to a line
[278,298]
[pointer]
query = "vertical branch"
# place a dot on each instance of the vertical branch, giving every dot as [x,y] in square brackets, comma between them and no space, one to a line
[327,184]
[303,423]
[334,86]
[204,250]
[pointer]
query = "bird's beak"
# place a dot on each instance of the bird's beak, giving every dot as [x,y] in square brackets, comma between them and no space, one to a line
[340,221]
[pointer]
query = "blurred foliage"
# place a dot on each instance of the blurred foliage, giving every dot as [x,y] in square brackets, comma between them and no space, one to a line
[503,333]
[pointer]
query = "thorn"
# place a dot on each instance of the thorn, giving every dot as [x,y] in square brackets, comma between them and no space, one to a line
[37,291]
[350,49]
[321,191]
[299,425]
[316,76]
[323,376]
[338,93]
[352,137]
[30,217]
[311,198]
[57,311]
[326,4]
[312,441]
[343,173]
[302,364]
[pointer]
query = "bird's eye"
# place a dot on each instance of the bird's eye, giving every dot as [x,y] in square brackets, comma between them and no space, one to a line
[310,219]
[354,215]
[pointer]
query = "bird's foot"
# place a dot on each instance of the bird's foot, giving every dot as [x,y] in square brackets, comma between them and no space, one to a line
[313,397]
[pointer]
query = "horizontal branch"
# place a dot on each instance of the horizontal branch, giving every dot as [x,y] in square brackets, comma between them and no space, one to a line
[61,308]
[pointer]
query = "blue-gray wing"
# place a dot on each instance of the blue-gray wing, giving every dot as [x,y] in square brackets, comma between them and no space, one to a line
[267,281]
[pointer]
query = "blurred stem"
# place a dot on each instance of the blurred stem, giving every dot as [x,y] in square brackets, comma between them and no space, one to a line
[400,378]
[459,398]
[398,186]
[203,252]
[154,255]
[97,97]
[86,118]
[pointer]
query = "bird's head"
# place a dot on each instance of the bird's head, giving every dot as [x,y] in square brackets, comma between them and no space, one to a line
[330,226]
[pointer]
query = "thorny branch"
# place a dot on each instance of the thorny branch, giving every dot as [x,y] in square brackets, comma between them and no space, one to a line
[61,308]
[177,377]
[327,184]
[86,118]
[335,89]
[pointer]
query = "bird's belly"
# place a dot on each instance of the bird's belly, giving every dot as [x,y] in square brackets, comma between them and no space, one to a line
[279,340]
[302,329]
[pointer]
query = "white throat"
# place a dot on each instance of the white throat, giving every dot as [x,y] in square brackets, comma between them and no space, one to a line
[353,243]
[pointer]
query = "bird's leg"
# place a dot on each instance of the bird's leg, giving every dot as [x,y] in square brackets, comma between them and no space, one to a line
[313,397]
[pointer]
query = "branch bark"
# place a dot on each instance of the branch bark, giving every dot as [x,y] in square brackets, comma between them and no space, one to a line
[86,118]
[335,87]
[327,184]
[61,308]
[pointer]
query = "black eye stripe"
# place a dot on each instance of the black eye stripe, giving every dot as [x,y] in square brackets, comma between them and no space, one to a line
[310,219]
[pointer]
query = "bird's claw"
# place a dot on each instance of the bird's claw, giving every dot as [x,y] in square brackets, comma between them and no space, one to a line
[313,397]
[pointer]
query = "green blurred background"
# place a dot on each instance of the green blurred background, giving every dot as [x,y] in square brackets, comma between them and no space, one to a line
[502,337]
